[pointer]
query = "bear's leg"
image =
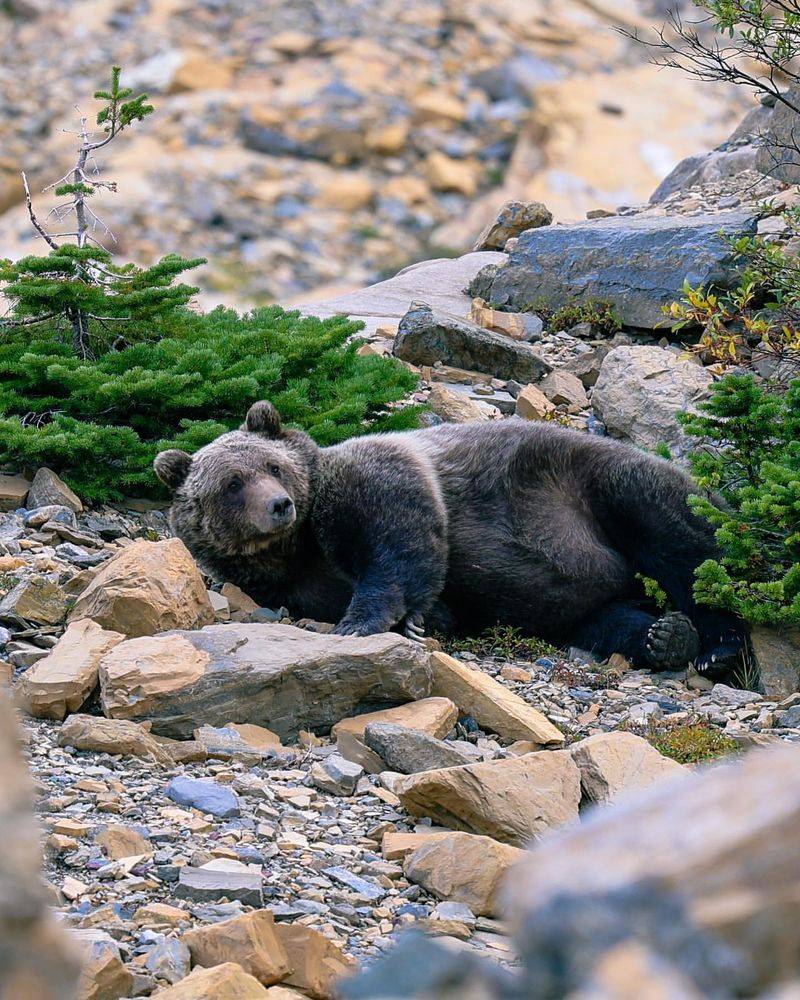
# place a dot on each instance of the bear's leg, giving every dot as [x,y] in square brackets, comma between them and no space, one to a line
[666,643]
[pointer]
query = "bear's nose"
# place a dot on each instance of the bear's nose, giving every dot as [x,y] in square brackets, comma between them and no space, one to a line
[280,506]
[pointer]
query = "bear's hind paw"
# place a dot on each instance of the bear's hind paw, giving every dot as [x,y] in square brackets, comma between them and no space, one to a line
[672,642]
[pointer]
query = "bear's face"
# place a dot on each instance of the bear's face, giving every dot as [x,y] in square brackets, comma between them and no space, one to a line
[243,492]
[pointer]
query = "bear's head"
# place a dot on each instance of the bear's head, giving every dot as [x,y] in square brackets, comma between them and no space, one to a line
[243,493]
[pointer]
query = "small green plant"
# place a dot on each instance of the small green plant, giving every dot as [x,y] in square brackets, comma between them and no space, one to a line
[76,286]
[692,743]
[654,591]
[503,642]
[598,314]
[751,456]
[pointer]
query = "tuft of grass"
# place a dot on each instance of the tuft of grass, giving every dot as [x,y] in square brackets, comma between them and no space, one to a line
[692,743]
[600,315]
[503,642]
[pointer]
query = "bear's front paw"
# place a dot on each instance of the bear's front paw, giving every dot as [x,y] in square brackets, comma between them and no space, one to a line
[347,627]
[672,642]
[414,629]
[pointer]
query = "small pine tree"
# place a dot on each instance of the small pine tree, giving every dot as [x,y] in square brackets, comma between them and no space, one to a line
[751,456]
[77,284]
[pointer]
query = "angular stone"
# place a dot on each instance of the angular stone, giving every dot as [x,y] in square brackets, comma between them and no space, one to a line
[426,337]
[532,404]
[207,885]
[397,846]
[723,839]
[641,390]
[465,868]
[366,887]
[317,963]
[48,488]
[519,326]
[250,941]
[456,407]
[168,959]
[149,587]
[13,490]
[237,599]
[434,716]
[777,153]
[336,775]
[37,599]
[226,743]
[512,800]
[119,841]
[63,680]
[513,218]
[103,975]
[445,173]
[113,736]
[778,658]
[156,914]
[636,263]
[223,982]
[207,796]
[618,762]
[408,751]
[256,736]
[279,676]
[565,389]
[490,703]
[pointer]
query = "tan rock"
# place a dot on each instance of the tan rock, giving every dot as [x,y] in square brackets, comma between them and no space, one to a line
[317,963]
[456,407]
[633,971]
[292,43]
[64,679]
[489,702]
[103,975]
[6,673]
[250,940]
[197,71]
[463,868]
[223,982]
[256,736]
[160,915]
[347,192]
[513,218]
[39,599]
[285,993]
[149,587]
[434,716]
[397,846]
[436,105]
[565,389]
[512,800]
[139,672]
[119,841]
[613,763]
[518,326]
[532,404]
[114,736]
[13,490]
[408,189]
[37,962]
[448,174]
[388,140]
[237,599]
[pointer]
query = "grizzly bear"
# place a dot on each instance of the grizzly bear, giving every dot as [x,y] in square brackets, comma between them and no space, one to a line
[457,528]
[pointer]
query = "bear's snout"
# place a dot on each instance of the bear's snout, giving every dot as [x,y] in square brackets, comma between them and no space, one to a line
[281,510]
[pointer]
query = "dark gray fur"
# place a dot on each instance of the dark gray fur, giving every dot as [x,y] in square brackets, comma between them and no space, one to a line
[519,523]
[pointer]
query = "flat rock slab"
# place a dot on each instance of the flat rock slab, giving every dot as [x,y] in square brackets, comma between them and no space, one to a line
[637,263]
[277,676]
[409,752]
[427,336]
[207,796]
[441,283]
[206,885]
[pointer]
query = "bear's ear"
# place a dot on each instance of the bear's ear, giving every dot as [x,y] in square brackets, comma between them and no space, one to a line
[172,467]
[263,418]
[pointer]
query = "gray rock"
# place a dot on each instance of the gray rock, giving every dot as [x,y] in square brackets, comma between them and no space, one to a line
[278,676]
[778,658]
[425,337]
[640,391]
[336,775]
[450,910]
[207,796]
[409,751]
[789,718]
[513,218]
[52,512]
[636,263]
[366,887]
[168,959]
[734,696]
[204,885]
[47,488]
[779,145]
[80,557]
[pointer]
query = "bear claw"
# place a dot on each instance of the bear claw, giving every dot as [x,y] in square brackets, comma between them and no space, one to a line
[672,642]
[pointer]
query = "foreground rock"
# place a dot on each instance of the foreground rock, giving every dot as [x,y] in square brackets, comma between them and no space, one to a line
[36,962]
[426,337]
[513,800]
[103,973]
[250,941]
[491,704]
[317,963]
[64,679]
[638,263]
[614,763]
[278,676]
[224,982]
[640,391]
[464,868]
[148,588]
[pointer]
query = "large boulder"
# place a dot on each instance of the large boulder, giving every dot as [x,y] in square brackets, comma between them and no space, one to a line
[249,940]
[149,587]
[641,391]
[512,800]
[35,959]
[426,336]
[637,263]
[779,144]
[278,676]
[618,762]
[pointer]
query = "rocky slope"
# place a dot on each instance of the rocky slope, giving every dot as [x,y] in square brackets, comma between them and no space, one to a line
[303,146]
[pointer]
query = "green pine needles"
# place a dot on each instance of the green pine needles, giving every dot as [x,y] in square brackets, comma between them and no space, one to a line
[751,455]
[102,366]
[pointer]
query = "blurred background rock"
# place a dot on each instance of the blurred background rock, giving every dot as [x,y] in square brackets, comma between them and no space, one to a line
[307,147]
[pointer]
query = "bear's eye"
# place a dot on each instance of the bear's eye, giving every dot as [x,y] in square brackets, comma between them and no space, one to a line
[234,485]
[275,470]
